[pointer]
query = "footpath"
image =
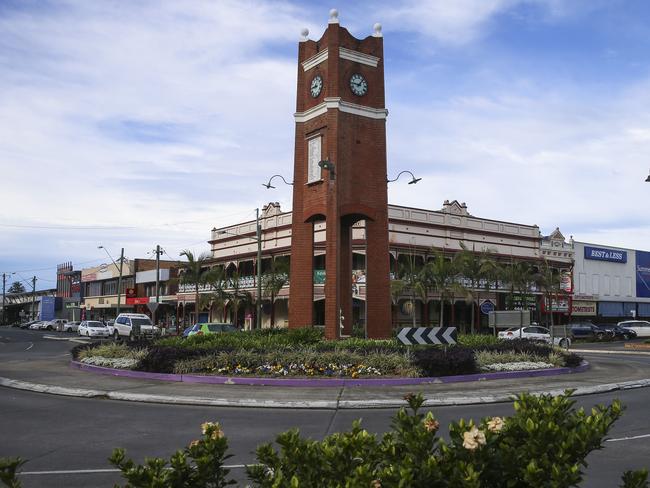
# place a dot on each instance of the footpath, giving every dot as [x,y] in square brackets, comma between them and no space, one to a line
[51,373]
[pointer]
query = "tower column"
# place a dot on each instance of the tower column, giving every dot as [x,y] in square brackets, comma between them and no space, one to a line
[301,301]
[378,301]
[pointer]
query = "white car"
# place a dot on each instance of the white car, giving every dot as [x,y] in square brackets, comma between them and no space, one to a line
[130,325]
[535,333]
[93,328]
[71,327]
[641,327]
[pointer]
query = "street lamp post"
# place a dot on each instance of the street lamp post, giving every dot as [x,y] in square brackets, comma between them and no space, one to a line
[4,281]
[258,239]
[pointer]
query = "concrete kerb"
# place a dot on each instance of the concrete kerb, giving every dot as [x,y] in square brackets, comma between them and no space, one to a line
[318,404]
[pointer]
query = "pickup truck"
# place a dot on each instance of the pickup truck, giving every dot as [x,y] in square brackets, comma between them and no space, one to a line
[131,326]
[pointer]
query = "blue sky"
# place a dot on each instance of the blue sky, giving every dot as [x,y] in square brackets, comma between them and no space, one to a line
[131,127]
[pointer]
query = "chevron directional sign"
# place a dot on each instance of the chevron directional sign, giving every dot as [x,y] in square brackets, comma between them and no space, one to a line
[427,335]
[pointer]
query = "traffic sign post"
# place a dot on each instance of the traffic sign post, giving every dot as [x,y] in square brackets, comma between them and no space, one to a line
[411,336]
[487,306]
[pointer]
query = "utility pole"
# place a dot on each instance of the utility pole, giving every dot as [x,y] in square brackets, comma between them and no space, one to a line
[258,311]
[119,281]
[33,298]
[155,310]
[4,281]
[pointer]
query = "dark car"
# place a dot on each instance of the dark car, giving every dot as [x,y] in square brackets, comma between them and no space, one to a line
[589,330]
[618,332]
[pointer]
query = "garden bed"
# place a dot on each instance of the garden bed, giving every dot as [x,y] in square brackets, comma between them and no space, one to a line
[303,353]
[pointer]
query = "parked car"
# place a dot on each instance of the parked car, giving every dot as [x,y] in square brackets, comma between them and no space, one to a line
[93,328]
[641,327]
[130,325]
[211,328]
[26,325]
[618,332]
[535,333]
[58,324]
[38,325]
[589,330]
[71,326]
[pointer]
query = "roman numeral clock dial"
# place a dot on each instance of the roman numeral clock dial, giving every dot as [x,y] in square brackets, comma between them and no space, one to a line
[316,86]
[358,85]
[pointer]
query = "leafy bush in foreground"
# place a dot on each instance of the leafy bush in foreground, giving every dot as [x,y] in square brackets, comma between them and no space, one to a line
[544,444]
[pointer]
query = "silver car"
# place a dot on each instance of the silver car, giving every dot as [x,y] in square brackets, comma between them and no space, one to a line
[641,327]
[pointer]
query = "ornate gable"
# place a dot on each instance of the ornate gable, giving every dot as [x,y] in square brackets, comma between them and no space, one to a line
[454,208]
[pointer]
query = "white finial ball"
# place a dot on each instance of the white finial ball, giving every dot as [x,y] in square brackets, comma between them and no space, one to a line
[334,14]
[304,33]
[377,29]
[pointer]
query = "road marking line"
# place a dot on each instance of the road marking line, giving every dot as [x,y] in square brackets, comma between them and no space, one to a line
[628,438]
[106,470]
[31,344]
[597,351]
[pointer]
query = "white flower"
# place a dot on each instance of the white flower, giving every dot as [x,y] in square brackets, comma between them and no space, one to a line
[473,438]
[495,424]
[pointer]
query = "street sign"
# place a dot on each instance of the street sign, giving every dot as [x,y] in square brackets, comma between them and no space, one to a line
[427,335]
[153,306]
[487,306]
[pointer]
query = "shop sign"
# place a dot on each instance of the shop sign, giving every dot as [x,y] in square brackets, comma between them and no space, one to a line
[560,304]
[583,308]
[137,300]
[527,302]
[603,254]
[566,283]
[72,305]
[643,274]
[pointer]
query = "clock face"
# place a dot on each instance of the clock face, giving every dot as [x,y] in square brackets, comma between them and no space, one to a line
[358,85]
[316,86]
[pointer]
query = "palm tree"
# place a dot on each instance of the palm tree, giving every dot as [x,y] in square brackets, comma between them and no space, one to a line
[412,280]
[441,275]
[518,276]
[550,282]
[274,279]
[479,270]
[237,296]
[194,274]
[216,278]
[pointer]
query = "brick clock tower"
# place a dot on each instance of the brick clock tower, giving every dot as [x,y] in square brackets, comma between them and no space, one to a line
[340,177]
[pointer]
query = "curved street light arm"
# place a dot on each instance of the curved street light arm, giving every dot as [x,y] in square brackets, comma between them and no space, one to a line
[269,185]
[413,181]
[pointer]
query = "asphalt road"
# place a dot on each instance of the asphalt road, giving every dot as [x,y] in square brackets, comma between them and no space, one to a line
[67,440]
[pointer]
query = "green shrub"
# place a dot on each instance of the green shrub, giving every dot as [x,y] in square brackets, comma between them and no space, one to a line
[113,350]
[8,469]
[199,465]
[439,361]
[476,341]
[544,444]
[485,358]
